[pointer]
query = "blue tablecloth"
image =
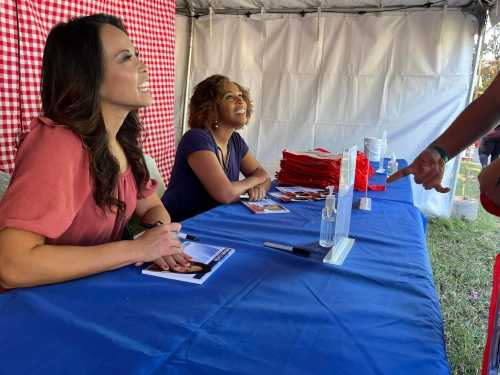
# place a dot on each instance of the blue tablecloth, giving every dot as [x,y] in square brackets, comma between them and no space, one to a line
[262,312]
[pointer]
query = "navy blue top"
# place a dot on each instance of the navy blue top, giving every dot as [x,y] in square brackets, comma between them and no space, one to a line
[185,195]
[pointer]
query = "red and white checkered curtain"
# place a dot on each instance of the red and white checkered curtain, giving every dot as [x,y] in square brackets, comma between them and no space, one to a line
[24,25]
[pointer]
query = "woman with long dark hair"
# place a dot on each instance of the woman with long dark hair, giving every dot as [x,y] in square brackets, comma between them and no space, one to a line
[80,173]
[211,155]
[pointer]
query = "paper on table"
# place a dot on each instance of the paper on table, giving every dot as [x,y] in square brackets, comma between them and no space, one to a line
[265,206]
[210,258]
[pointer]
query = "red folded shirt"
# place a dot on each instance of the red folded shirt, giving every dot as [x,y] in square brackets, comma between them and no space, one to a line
[320,169]
[377,187]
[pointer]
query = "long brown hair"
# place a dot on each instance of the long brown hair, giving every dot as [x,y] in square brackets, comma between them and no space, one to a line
[203,104]
[72,73]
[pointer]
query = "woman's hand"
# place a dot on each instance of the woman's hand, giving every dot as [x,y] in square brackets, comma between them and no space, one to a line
[261,175]
[257,193]
[175,261]
[428,169]
[160,242]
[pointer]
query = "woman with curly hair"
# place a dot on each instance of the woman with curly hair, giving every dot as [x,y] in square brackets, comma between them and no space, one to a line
[80,172]
[211,155]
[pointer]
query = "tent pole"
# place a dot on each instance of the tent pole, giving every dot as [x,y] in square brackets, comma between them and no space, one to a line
[354,10]
[477,58]
[185,117]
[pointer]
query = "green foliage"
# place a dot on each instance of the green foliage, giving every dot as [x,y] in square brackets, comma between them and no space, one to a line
[462,255]
[490,60]
[491,47]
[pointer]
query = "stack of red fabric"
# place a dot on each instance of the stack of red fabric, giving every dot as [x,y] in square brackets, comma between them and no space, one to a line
[320,168]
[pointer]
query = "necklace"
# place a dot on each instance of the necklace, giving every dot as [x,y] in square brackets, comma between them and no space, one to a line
[224,163]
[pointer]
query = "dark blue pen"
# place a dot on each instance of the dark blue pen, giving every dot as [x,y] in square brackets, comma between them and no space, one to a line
[292,249]
[182,236]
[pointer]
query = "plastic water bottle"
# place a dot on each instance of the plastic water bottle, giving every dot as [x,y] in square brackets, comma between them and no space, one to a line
[392,165]
[383,150]
[328,220]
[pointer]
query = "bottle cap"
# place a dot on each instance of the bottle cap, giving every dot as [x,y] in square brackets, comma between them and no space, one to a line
[330,201]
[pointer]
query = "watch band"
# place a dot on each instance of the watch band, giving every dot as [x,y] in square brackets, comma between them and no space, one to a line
[441,152]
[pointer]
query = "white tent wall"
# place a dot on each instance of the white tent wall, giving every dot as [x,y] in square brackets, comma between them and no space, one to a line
[353,76]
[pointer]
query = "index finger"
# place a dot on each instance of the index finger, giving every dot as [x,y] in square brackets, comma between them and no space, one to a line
[399,174]
[252,195]
[174,227]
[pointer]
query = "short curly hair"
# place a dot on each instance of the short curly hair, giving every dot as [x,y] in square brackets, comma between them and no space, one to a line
[203,103]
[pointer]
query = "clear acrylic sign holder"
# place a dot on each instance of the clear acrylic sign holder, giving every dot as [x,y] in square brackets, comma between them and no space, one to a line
[343,244]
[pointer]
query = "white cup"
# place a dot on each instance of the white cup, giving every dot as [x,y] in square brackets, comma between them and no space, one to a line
[373,148]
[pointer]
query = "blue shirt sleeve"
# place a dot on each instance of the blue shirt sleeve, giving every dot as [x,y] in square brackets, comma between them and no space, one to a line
[240,146]
[195,140]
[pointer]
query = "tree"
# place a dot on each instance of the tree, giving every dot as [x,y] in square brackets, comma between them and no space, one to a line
[492,43]
[490,60]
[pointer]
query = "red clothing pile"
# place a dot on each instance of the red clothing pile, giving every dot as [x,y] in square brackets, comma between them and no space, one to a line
[320,168]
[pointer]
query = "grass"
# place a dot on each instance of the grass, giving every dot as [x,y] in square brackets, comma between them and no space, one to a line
[462,255]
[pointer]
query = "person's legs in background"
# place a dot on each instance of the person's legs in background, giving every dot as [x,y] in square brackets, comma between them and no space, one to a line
[486,147]
[496,150]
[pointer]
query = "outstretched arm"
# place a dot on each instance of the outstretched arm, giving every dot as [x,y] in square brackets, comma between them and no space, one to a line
[479,117]
[26,260]
[475,121]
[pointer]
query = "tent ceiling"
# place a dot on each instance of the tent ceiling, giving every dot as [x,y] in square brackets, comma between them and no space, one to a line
[307,4]
[200,7]
[286,4]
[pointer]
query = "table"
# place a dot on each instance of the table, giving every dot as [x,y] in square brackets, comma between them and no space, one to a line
[263,312]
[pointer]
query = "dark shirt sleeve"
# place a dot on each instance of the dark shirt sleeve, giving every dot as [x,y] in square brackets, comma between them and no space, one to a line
[240,145]
[185,195]
[195,140]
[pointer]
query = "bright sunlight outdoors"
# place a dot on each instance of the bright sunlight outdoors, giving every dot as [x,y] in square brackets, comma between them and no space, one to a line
[463,251]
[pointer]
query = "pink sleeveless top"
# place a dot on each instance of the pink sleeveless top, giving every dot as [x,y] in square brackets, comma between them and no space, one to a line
[51,190]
